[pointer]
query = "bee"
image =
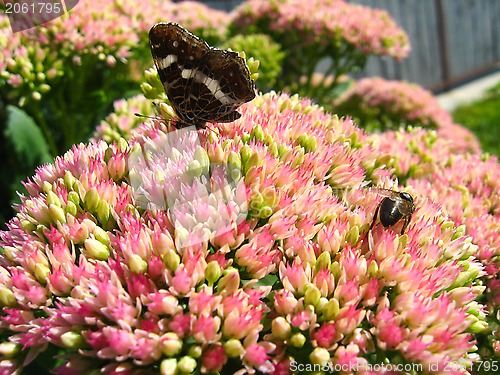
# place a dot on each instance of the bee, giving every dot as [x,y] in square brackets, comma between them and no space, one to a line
[395,206]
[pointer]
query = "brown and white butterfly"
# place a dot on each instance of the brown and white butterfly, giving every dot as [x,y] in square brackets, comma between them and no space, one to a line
[204,84]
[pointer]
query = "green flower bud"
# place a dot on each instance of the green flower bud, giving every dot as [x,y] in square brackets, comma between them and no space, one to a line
[168,367]
[271,196]
[298,340]
[171,260]
[257,133]
[299,158]
[71,208]
[373,269]
[200,154]
[101,235]
[52,198]
[9,349]
[72,340]
[233,348]
[331,309]
[319,356]
[187,364]
[254,161]
[57,214]
[7,298]
[478,327]
[42,272]
[171,344]
[27,225]
[194,169]
[166,111]
[230,282]
[253,65]
[151,74]
[181,234]
[311,145]
[74,198]
[335,269]
[265,212]
[235,174]
[137,264]
[324,260]
[218,154]
[96,249]
[273,149]
[91,200]
[234,160]
[195,351]
[103,212]
[213,272]
[44,88]
[352,235]
[384,160]
[312,295]
[302,139]
[246,153]
[283,149]
[459,232]
[46,187]
[280,328]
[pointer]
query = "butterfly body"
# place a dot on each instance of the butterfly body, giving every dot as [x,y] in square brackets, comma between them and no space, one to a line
[203,84]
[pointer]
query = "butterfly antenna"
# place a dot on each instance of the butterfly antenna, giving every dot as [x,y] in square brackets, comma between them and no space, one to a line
[146,116]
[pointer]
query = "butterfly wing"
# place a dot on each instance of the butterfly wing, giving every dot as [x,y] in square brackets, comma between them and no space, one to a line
[203,84]
[176,52]
[226,87]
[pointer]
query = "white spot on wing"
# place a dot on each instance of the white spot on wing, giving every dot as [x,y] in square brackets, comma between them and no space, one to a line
[167,61]
[212,84]
[187,73]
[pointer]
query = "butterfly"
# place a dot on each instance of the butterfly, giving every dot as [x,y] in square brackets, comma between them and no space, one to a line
[203,84]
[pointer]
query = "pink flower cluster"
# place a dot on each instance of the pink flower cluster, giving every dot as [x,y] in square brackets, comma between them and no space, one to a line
[114,28]
[95,32]
[465,185]
[25,69]
[208,23]
[123,285]
[127,114]
[396,103]
[325,23]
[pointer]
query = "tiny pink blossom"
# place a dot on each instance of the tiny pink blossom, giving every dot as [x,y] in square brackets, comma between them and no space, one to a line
[213,358]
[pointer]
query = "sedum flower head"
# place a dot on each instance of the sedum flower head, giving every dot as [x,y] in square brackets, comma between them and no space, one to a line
[465,186]
[100,35]
[242,248]
[262,48]
[324,24]
[377,103]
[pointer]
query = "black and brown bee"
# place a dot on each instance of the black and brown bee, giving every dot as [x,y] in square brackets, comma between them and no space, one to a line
[395,206]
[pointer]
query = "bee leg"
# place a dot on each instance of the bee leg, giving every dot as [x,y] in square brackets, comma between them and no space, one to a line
[375,217]
[407,221]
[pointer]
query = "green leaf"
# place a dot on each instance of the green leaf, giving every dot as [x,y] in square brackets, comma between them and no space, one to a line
[26,137]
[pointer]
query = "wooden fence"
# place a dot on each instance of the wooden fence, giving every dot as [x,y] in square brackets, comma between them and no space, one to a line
[452,40]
